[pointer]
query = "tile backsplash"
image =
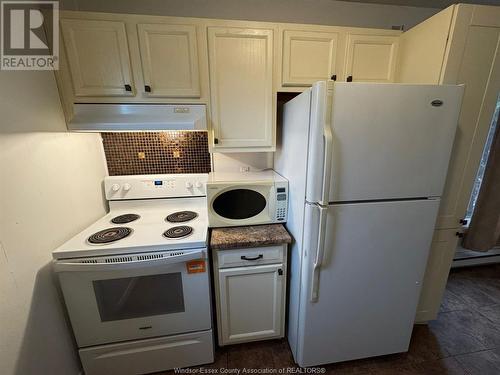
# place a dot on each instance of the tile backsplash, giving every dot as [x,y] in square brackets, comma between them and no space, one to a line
[129,153]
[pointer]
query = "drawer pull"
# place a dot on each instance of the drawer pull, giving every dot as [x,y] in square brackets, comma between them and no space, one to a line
[244,257]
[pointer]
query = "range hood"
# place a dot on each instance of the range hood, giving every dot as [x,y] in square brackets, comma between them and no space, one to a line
[138,117]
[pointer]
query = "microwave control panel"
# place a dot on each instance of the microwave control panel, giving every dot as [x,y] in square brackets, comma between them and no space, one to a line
[281,202]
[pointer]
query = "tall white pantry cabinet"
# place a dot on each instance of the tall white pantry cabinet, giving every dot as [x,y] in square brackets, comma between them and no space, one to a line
[460,45]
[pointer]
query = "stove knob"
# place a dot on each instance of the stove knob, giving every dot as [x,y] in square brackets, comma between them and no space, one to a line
[189,185]
[126,187]
[199,185]
[115,187]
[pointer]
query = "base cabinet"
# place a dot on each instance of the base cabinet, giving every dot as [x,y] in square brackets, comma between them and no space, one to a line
[250,297]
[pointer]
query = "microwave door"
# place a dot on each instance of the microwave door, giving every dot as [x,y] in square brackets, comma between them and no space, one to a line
[241,205]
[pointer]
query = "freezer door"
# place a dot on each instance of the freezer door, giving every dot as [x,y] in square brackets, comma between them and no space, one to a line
[362,299]
[388,141]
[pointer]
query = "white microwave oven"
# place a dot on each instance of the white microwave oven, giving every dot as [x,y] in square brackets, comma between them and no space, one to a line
[253,198]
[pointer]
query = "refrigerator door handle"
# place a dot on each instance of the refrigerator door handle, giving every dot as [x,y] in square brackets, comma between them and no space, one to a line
[320,253]
[327,169]
[327,143]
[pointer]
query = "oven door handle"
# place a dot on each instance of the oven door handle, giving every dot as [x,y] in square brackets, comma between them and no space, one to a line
[61,266]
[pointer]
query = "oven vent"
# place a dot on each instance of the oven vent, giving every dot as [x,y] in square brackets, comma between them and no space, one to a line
[118,260]
[164,254]
[176,253]
[149,256]
[89,261]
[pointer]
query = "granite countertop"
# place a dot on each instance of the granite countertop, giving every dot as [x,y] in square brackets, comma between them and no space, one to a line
[250,236]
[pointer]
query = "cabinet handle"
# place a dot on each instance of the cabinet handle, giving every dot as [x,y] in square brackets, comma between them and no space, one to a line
[244,257]
[463,221]
[128,87]
[280,272]
[349,79]
[459,235]
[334,77]
[147,88]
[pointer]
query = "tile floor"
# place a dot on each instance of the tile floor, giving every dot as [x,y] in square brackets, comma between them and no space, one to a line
[465,339]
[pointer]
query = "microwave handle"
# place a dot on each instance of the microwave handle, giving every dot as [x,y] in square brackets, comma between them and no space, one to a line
[61,266]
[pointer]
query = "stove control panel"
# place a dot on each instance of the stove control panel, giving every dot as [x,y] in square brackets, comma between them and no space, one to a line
[155,186]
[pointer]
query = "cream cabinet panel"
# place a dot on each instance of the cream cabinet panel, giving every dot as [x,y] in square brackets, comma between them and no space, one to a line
[169,58]
[251,303]
[98,57]
[371,58]
[480,72]
[308,57]
[443,249]
[422,49]
[241,87]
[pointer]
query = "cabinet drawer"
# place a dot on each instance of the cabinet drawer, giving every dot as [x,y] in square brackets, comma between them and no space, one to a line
[250,256]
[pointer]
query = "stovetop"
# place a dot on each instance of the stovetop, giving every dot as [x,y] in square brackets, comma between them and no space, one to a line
[143,226]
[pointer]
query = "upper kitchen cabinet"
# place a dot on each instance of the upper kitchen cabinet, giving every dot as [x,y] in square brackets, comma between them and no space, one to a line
[241,88]
[371,58]
[98,57]
[308,57]
[169,60]
[124,58]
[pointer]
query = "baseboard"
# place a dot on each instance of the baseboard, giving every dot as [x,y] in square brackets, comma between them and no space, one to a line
[476,261]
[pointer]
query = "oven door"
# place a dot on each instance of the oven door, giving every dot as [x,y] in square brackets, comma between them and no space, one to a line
[241,204]
[125,299]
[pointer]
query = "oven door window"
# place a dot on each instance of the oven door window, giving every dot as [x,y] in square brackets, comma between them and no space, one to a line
[239,204]
[140,296]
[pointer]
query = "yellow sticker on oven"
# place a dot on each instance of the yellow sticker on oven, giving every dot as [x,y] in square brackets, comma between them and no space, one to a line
[196,266]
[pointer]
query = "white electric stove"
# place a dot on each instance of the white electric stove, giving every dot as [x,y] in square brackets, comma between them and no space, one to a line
[136,282]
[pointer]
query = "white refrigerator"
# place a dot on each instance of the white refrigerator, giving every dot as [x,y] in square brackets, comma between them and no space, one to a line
[366,164]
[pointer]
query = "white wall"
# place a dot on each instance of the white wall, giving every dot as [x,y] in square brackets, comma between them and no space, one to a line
[234,162]
[49,190]
[325,12]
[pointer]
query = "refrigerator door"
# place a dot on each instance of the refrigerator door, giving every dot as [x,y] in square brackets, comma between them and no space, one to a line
[388,141]
[359,291]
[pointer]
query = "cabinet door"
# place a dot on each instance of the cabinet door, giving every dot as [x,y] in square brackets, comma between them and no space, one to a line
[169,60]
[251,303]
[478,55]
[308,57]
[441,254]
[371,58]
[241,87]
[98,57]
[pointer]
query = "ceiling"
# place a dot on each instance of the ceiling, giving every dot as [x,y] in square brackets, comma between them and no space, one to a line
[427,3]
